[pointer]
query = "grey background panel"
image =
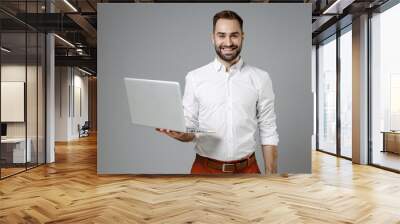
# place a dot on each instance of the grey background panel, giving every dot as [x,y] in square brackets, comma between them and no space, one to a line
[165,42]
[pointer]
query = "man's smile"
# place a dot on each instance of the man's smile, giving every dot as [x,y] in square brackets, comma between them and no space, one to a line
[228,49]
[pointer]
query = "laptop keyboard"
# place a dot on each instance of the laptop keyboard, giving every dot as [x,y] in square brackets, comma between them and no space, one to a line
[193,130]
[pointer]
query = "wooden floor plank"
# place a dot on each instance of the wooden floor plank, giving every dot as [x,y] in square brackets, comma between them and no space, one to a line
[70,191]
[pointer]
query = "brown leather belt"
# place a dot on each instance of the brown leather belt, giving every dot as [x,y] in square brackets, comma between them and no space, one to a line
[230,166]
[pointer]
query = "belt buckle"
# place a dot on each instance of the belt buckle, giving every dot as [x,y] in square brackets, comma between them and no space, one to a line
[225,164]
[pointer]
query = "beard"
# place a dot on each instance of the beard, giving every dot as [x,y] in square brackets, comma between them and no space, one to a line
[228,57]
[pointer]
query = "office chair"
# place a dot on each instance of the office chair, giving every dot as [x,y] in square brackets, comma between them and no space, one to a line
[84,130]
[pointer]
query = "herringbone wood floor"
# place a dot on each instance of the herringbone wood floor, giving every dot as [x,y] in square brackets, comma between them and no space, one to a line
[70,191]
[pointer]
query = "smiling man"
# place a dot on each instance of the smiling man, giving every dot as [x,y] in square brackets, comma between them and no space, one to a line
[234,99]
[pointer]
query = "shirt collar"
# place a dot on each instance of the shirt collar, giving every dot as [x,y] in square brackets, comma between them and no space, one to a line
[238,65]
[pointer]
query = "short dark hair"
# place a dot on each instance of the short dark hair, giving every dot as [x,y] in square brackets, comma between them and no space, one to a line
[227,14]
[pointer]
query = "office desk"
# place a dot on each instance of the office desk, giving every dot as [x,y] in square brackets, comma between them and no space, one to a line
[391,141]
[13,150]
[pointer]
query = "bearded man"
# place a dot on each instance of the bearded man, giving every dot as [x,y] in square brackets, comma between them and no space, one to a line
[234,99]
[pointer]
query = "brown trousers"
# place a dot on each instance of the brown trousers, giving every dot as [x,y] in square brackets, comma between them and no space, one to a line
[200,167]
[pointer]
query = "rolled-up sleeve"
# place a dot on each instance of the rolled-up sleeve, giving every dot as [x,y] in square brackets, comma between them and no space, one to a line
[266,113]
[190,103]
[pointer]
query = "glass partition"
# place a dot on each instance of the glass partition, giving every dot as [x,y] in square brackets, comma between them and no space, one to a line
[22,102]
[13,109]
[327,95]
[346,93]
[385,89]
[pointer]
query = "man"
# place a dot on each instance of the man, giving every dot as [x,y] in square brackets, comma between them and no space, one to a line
[234,99]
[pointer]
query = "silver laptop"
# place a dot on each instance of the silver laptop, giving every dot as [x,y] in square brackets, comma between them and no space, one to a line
[157,104]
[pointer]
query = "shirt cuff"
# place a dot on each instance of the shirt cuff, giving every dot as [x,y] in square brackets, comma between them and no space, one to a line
[271,140]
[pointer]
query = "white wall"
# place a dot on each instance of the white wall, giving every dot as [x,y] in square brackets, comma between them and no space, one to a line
[61,103]
[70,82]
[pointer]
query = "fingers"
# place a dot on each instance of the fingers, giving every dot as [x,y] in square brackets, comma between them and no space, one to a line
[173,133]
[170,133]
[167,131]
[161,130]
[176,134]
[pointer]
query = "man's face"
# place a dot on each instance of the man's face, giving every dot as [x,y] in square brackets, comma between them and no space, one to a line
[227,39]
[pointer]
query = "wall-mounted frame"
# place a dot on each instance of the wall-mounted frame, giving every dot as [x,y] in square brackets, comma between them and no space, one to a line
[12,101]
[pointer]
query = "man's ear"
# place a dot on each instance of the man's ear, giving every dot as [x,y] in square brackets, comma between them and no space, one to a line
[212,38]
[242,35]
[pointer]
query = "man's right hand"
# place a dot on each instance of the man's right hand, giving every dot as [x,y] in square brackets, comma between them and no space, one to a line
[181,136]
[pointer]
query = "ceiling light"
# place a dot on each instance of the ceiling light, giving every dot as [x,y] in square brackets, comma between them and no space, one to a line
[70,5]
[5,49]
[329,9]
[86,72]
[338,6]
[65,41]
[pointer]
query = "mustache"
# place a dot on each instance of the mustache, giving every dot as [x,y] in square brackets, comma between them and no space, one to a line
[231,46]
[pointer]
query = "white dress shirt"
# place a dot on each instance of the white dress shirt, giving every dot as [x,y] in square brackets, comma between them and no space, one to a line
[234,104]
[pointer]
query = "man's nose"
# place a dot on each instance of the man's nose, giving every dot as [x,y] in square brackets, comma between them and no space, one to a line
[228,41]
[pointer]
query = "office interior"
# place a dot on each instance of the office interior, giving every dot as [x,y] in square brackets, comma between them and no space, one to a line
[48,85]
